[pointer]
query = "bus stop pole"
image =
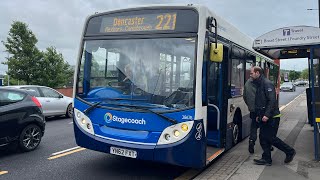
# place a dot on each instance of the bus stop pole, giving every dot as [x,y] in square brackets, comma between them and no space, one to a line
[315,126]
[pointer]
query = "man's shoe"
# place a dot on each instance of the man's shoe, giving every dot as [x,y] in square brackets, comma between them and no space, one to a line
[271,149]
[262,162]
[289,157]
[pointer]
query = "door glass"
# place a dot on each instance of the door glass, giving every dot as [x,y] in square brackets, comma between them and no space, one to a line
[49,93]
[237,74]
[34,91]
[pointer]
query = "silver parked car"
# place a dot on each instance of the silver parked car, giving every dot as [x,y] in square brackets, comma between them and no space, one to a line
[287,86]
[53,102]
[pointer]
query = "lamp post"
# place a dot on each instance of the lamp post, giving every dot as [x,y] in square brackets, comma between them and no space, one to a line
[316,10]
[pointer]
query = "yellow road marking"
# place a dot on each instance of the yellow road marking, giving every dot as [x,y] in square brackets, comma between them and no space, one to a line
[67,153]
[3,172]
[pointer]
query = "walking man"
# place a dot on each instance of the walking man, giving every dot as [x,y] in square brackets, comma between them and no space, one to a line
[268,115]
[249,95]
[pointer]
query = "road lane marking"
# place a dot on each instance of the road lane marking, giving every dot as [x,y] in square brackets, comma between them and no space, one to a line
[60,152]
[71,122]
[284,106]
[65,154]
[3,172]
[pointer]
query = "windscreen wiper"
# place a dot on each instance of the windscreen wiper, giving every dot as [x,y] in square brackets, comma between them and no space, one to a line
[147,109]
[86,111]
[163,116]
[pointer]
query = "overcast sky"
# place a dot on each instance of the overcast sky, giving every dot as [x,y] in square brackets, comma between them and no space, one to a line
[59,23]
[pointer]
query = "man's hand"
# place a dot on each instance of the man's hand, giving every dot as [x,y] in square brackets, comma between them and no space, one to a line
[265,119]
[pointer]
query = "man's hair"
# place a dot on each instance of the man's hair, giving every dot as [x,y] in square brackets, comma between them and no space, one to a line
[258,69]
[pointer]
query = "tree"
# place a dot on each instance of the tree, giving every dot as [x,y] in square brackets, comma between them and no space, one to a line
[293,75]
[52,70]
[21,44]
[305,74]
[28,64]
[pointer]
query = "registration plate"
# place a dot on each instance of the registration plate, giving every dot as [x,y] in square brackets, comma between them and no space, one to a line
[123,152]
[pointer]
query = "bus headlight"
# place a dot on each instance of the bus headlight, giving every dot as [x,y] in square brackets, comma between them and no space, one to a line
[175,133]
[184,127]
[83,121]
[78,115]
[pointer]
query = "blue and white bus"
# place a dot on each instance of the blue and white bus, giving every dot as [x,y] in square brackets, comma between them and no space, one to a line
[163,83]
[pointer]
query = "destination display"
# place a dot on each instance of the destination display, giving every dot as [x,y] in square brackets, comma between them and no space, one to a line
[146,22]
[294,53]
[143,21]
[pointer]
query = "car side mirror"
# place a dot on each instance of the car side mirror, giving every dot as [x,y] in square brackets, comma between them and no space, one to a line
[60,96]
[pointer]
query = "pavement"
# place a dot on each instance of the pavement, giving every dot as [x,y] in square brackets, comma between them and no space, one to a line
[237,163]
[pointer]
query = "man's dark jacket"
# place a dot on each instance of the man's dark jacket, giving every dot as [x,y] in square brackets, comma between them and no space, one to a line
[265,102]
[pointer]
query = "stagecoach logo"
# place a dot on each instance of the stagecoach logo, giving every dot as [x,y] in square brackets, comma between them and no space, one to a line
[198,135]
[108,117]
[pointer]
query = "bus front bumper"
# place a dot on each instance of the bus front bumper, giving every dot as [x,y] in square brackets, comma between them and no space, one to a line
[189,152]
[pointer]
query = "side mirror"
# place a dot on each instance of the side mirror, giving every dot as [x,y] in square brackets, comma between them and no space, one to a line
[60,96]
[216,54]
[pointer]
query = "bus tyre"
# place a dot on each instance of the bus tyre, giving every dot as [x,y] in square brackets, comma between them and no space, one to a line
[236,133]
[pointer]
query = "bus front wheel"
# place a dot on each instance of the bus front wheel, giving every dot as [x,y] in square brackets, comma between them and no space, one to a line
[236,131]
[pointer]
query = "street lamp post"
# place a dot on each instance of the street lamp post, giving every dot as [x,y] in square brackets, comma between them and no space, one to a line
[316,10]
[310,9]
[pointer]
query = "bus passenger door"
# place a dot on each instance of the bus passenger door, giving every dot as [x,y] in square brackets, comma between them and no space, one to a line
[216,98]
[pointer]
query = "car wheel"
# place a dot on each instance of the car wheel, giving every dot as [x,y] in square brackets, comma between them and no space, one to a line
[69,111]
[30,137]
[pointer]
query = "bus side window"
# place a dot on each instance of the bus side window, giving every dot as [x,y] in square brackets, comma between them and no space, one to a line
[237,72]
[249,63]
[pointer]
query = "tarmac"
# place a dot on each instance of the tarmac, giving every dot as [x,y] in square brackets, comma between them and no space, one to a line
[237,163]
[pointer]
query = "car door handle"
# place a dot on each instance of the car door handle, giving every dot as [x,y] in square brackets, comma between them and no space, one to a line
[47,101]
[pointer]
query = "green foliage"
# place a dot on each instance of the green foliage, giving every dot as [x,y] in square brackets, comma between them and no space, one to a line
[52,71]
[293,75]
[32,66]
[21,45]
[305,74]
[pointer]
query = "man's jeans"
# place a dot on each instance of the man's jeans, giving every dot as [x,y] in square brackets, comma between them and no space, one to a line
[268,137]
[253,129]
